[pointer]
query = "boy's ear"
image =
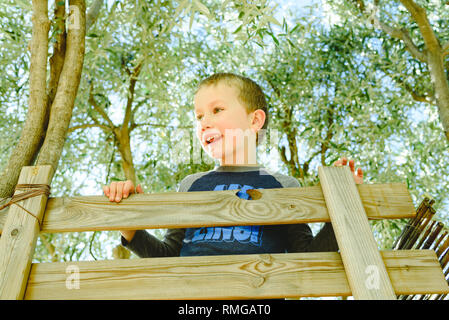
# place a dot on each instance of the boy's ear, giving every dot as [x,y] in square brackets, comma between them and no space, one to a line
[258,119]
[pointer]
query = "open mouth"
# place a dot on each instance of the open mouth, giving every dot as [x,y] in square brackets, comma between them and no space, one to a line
[212,139]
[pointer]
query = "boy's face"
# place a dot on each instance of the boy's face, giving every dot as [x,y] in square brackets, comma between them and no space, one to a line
[223,125]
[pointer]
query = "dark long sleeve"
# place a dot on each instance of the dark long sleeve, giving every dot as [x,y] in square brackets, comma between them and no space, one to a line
[145,245]
[301,239]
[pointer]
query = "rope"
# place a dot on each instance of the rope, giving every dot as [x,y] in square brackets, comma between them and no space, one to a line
[37,190]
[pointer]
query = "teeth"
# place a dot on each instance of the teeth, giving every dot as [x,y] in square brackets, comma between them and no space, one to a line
[212,138]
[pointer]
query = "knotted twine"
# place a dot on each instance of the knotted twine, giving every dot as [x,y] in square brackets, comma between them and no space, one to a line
[37,190]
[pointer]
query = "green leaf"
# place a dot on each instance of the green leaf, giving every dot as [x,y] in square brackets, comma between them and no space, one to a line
[273,20]
[182,5]
[238,29]
[202,8]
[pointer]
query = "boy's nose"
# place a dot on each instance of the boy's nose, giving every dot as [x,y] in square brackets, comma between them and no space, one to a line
[205,123]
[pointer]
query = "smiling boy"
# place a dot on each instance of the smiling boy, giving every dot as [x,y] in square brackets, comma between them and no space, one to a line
[231,112]
[228,120]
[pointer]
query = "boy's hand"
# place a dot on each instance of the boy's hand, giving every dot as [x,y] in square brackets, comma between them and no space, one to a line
[121,189]
[358,177]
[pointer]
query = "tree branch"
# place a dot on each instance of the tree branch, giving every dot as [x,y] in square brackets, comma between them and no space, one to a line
[62,107]
[59,48]
[329,135]
[415,95]
[129,103]
[160,126]
[420,17]
[33,128]
[324,145]
[428,98]
[89,125]
[400,34]
[99,109]
[445,49]
[403,35]
[93,12]
[291,132]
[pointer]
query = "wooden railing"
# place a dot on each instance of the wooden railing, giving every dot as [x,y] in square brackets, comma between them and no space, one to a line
[359,269]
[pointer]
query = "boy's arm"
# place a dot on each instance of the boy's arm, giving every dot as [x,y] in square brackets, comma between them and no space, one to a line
[301,239]
[145,245]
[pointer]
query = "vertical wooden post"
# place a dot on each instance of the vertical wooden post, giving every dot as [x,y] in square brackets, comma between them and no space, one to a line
[20,233]
[365,270]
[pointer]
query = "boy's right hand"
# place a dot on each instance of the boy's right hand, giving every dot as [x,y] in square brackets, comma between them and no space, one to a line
[120,189]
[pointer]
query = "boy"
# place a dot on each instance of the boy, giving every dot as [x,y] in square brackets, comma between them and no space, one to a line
[230,112]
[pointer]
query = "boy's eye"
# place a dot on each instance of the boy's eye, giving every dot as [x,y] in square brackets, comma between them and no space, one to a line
[216,110]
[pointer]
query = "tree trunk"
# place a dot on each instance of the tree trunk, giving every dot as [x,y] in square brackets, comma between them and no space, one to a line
[441,86]
[33,129]
[124,147]
[61,109]
[433,54]
[35,136]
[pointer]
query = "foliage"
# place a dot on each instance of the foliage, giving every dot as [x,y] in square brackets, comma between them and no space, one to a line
[338,87]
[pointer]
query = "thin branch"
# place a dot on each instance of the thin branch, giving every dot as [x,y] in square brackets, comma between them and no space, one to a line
[291,132]
[90,244]
[129,103]
[428,98]
[282,152]
[93,12]
[50,247]
[397,33]
[415,95]
[324,145]
[89,125]
[307,162]
[329,134]
[445,49]
[138,105]
[420,17]
[361,5]
[112,158]
[94,119]
[99,109]
[403,35]
[59,48]
[159,126]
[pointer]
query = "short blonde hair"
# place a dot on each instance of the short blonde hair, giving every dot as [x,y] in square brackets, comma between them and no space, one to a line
[250,93]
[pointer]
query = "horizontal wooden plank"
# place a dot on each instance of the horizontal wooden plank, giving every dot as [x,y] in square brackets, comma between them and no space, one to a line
[226,277]
[216,208]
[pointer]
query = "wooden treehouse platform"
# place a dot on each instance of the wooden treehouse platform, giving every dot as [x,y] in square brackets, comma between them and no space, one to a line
[358,270]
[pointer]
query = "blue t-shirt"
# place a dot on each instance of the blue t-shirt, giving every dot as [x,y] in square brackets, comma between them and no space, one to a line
[234,239]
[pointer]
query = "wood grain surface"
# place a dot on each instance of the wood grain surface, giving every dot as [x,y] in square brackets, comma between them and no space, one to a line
[18,241]
[366,272]
[215,208]
[227,277]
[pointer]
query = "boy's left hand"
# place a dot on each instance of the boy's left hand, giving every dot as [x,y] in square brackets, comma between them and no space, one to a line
[358,177]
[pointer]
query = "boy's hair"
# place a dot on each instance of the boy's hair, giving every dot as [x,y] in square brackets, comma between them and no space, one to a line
[250,93]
